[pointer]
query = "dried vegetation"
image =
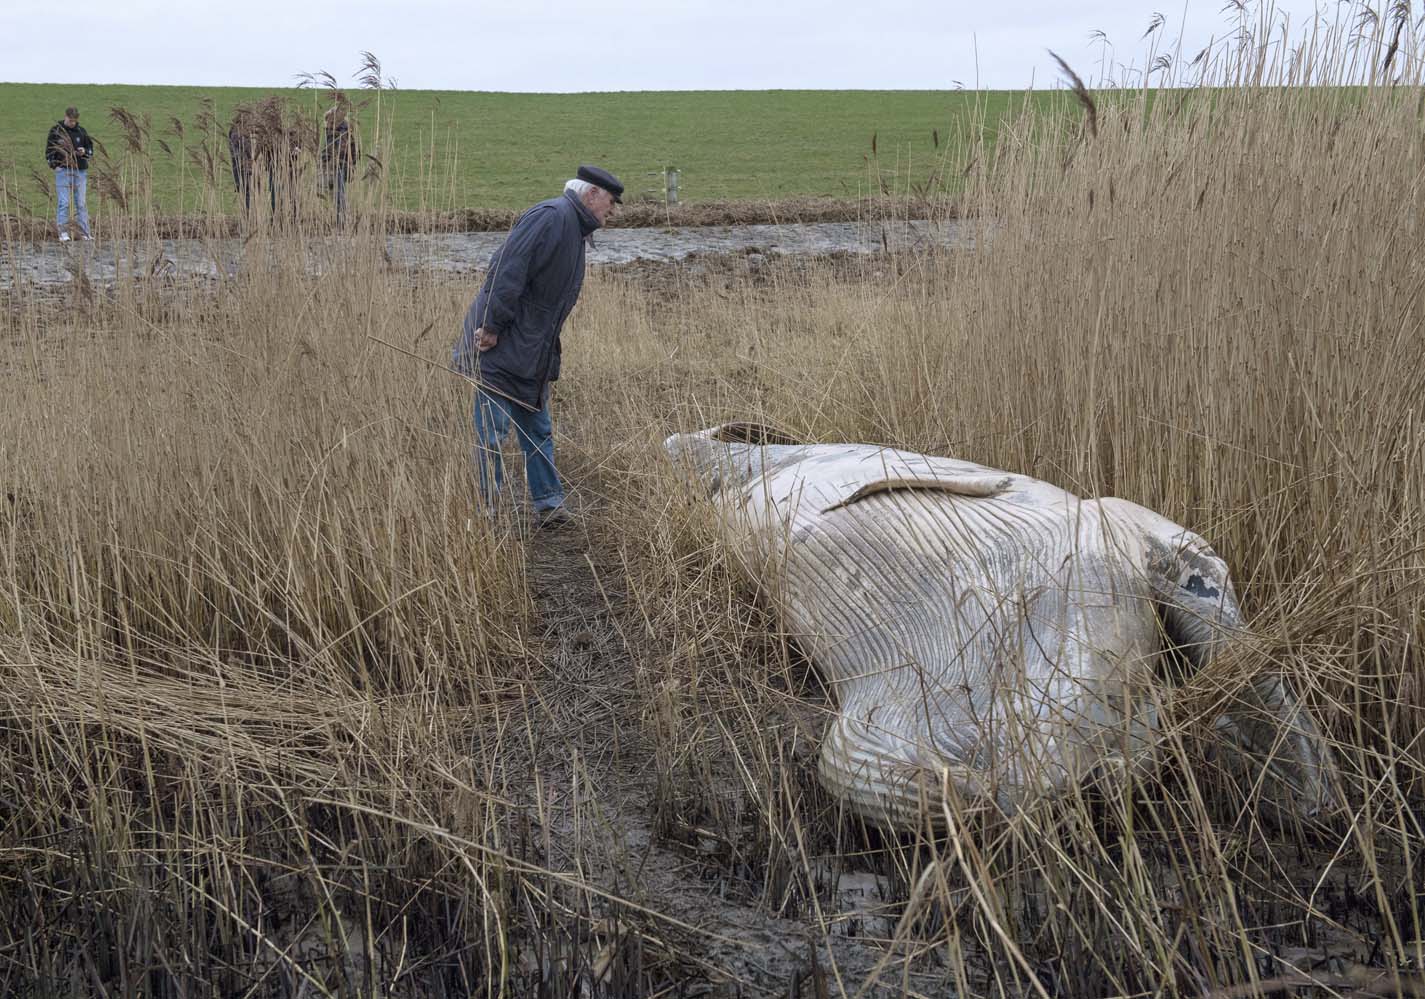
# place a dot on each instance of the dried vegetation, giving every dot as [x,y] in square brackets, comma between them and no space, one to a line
[281,716]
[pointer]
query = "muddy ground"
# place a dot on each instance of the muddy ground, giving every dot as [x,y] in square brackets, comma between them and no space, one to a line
[712,933]
[754,247]
[632,215]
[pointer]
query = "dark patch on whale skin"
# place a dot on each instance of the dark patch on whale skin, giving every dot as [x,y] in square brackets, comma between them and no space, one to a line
[1197,586]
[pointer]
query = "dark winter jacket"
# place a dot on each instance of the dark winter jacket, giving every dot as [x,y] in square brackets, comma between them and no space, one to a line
[240,152]
[339,149]
[532,285]
[62,147]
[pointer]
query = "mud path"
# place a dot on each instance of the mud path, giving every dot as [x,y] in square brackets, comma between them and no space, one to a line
[725,945]
[103,263]
[634,214]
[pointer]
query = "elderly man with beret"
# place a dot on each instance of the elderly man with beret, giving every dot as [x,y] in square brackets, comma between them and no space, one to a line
[509,342]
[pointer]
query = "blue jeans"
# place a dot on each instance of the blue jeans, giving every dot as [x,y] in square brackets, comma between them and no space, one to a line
[336,183]
[70,185]
[535,433]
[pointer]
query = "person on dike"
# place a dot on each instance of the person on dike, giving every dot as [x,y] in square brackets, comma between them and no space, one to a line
[339,153]
[264,141]
[67,151]
[509,342]
[242,151]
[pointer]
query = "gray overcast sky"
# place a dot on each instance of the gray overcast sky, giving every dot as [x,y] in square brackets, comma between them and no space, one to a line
[560,46]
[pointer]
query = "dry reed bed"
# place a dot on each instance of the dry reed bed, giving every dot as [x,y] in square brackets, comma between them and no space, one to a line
[275,705]
[242,579]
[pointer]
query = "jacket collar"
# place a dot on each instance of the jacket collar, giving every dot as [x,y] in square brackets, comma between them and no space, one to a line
[587,222]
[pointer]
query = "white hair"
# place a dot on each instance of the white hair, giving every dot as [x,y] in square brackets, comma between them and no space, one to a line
[579,187]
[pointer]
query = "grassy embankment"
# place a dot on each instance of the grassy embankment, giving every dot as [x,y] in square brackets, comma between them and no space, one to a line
[278,717]
[448,150]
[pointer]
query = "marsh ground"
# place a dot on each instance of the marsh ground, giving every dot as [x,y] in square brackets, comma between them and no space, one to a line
[275,697]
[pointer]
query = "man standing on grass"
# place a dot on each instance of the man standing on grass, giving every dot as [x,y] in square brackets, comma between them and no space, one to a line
[339,151]
[509,342]
[242,151]
[67,151]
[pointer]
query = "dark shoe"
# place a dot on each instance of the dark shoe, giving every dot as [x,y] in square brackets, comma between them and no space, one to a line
[554,518]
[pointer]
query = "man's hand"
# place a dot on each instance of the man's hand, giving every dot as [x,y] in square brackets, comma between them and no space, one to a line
[487,340]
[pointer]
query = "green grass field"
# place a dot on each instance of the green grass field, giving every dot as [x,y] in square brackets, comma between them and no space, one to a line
[448,149]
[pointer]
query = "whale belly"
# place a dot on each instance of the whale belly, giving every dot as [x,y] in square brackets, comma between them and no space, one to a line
[967,635]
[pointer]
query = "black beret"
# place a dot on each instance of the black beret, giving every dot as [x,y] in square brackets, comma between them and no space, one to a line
[602,178]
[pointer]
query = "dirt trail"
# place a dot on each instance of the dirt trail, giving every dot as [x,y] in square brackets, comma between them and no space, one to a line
[633,215]
[732,948]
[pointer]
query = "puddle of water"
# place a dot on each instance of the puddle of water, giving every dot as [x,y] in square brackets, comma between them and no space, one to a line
[59,263]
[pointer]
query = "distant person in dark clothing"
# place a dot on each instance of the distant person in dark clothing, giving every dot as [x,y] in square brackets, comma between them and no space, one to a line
[242,150]
[339,151]
[67,151]
[509,342]
[263,140]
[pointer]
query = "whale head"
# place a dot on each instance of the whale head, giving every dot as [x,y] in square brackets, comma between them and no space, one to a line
[730,456]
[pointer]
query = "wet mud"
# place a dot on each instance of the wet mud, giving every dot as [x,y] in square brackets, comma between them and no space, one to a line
[712,931]
[632,215]
[54,264]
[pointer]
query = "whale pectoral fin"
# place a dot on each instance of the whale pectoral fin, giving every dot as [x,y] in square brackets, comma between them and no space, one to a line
[838,495]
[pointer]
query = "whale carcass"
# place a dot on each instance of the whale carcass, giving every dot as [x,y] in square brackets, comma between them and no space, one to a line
[981,628]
